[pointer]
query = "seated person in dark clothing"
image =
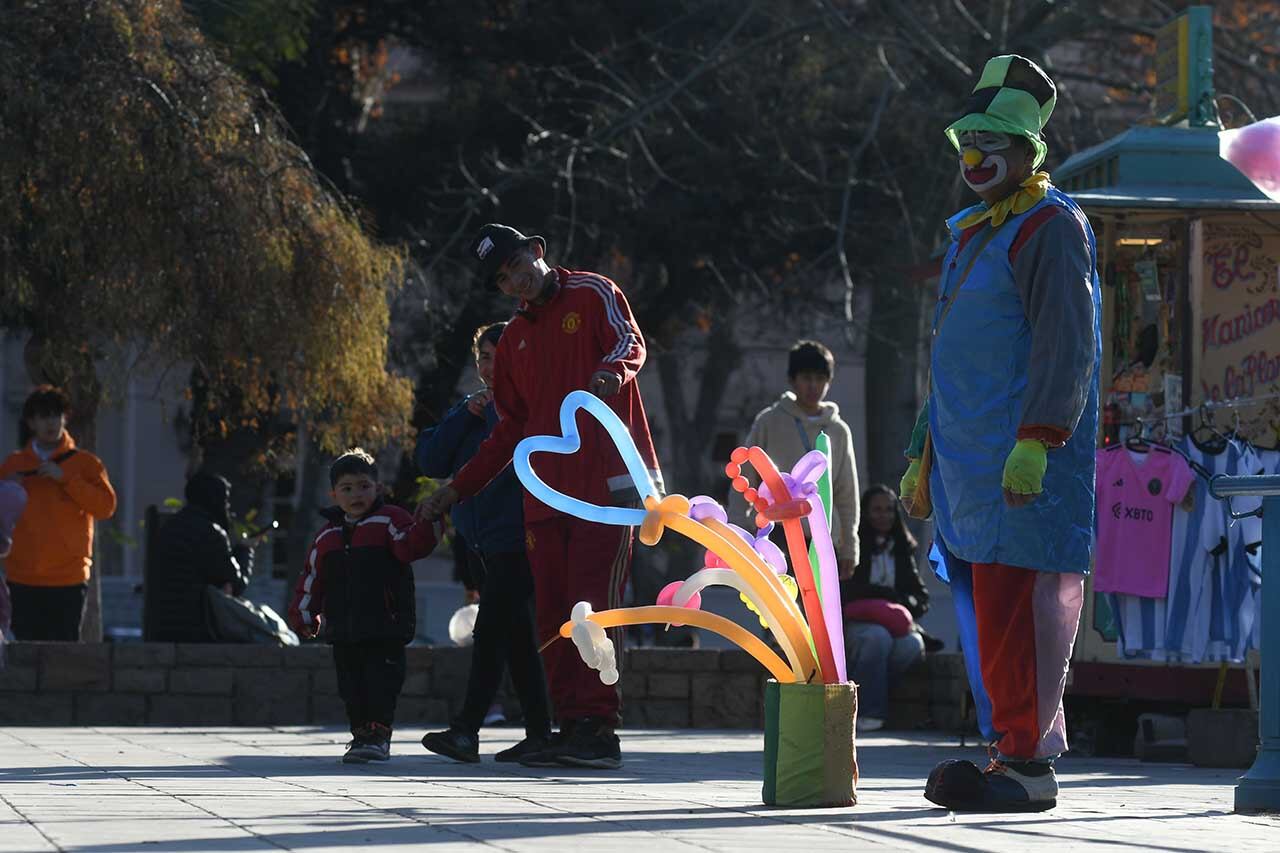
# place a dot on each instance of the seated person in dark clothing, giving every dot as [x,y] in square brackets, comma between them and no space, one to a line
[882,602]
[194,550]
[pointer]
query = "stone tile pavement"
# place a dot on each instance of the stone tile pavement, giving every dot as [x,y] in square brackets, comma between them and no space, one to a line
[215,789]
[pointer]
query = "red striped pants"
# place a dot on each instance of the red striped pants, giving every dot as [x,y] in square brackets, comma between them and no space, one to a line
[1027,622]
[574,560]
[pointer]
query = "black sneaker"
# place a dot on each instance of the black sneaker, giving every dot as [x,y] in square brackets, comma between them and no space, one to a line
[592,744]
[1004,787]
[547,756]
[454,743]
[528,746]
[371,743]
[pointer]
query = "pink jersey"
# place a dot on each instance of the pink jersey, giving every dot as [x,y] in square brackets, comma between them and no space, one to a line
[1136,498]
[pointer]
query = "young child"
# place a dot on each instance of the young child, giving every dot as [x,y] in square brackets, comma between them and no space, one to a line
[357,593]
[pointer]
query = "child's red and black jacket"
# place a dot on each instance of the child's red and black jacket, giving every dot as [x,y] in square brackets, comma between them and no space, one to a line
[358,577]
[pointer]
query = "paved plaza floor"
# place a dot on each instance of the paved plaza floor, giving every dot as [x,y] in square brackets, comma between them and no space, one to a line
[214,789]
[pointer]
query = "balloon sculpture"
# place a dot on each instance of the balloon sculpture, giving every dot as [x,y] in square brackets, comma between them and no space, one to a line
[1255,150]
[811,640]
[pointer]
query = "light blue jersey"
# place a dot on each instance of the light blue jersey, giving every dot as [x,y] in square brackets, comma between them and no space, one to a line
[1210,611]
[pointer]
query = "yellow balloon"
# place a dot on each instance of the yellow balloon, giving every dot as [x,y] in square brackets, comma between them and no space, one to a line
[732,631]
[787,581]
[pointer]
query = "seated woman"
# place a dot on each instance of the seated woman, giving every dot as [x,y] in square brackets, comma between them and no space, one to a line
[882,601]
[194,551]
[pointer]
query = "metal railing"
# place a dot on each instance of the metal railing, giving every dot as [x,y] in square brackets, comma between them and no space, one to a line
[1259,789]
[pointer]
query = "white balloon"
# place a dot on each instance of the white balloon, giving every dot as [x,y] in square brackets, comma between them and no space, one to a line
[462,623]
[586,647]
[598,636]
[581,611]
[609,676]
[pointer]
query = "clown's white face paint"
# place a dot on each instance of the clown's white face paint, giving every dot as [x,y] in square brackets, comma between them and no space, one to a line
[982,165]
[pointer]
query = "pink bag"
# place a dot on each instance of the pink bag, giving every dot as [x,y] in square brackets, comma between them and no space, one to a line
[894,618]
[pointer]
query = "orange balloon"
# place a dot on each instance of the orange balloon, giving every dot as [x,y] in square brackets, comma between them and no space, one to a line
[719,538]
[673,512]
[731,631]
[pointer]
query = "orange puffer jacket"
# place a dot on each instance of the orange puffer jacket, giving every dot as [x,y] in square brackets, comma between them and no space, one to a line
[53,540]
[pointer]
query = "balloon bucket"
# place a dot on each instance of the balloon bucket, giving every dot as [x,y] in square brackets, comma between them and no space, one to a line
[810,758]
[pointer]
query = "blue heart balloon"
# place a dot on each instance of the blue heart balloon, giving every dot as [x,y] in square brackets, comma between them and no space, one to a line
[569,441]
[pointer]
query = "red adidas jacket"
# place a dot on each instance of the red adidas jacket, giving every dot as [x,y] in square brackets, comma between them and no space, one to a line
[545,352]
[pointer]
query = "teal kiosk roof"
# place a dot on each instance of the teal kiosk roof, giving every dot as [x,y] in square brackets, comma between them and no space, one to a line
[1159,168]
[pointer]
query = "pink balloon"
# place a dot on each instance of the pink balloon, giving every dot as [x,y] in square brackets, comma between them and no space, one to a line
[1255,151]
[667,596]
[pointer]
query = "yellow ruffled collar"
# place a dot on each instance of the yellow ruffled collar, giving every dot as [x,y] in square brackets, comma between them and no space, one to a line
[1033,189]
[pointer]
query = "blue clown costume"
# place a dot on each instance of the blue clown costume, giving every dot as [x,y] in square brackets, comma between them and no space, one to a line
[1011,424]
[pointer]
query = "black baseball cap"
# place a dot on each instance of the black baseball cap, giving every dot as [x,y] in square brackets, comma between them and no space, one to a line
[494,244]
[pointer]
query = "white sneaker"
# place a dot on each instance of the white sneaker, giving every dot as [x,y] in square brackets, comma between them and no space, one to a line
[870,724]
[495,715]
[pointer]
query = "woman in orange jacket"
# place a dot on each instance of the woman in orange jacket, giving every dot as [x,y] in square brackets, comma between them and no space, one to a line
[67,490]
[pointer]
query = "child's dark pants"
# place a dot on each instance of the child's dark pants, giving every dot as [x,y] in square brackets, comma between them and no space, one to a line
[370,676]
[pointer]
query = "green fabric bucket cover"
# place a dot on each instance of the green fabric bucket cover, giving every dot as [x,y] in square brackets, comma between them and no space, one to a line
[810,759]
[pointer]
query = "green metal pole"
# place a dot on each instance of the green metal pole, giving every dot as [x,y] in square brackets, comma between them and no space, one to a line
[1259,789]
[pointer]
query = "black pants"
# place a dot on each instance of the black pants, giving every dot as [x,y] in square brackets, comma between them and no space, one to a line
[505,635]
[47,612]
[370,676]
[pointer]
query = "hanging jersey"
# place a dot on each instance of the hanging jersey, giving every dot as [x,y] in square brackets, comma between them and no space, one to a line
[1136,496]
[1210,610]
[1219,608]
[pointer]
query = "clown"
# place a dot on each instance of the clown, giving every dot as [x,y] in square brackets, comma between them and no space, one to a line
[1008,430]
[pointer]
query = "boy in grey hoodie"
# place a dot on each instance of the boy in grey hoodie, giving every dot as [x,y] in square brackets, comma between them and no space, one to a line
[789,428]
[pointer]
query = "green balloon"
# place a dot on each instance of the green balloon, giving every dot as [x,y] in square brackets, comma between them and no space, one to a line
[824,491]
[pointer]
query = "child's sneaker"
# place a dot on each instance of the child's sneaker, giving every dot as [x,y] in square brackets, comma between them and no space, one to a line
[454,743]
[371,743]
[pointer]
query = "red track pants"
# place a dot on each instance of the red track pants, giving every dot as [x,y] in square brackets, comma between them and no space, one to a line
[572,561]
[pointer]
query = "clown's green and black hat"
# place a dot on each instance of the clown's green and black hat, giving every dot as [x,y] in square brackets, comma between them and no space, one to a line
[1014,96]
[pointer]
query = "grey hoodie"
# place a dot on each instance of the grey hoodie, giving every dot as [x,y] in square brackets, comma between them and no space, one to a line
[786,433]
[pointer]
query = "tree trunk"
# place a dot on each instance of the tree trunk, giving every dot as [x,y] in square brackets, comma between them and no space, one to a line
[299,536]
[693,432]
[893,376]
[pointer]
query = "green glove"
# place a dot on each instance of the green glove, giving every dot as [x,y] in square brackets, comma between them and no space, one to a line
[907,487]
[1024,469]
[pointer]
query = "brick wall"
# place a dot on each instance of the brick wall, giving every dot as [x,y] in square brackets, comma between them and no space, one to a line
[195,684]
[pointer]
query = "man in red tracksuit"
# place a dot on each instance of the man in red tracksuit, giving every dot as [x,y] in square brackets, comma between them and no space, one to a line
[572,330]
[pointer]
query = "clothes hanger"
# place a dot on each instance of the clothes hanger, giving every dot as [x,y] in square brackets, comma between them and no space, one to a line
[1138,442]
[1206,422]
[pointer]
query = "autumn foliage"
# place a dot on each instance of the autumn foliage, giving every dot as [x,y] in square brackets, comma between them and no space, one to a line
[152,199]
